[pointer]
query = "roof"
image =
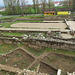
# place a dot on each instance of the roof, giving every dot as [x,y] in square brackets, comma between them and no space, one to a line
[49,12]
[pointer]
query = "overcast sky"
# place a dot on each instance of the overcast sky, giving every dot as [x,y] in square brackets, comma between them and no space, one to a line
[30,1]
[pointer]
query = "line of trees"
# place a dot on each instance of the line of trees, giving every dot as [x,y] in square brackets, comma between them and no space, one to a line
[38,6]
[73,5]
[20,6]
[15,6]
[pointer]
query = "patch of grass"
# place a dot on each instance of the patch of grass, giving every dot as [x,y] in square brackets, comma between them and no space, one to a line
[3,62]
[36,52]
[33,16]
[8,24]
[66,52]
[13,34]
[30,21]
[14,17]
[5,48]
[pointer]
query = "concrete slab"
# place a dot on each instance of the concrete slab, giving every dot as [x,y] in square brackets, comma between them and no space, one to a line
[72,24]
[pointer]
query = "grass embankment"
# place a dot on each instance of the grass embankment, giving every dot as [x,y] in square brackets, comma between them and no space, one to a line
[21,33]
[5,48]
[14,17]
[38,52]
[8,18]
[60,51]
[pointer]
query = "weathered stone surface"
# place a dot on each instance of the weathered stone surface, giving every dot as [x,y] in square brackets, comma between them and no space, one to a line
[8,41]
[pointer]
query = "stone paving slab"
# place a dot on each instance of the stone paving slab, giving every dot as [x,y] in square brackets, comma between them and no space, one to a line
[72,24]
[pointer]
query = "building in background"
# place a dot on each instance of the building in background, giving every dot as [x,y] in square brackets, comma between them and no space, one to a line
[58,3]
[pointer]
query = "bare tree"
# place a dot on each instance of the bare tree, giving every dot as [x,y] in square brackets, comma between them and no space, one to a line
[37,5]
[43,5]
[34,5]
[23,3]
[49,4]
[73,5]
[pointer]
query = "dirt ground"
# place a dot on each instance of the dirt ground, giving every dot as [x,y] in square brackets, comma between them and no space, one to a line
[6,73]
[18,59]
[61,26]
[49,62]
[44,68]
[59,61]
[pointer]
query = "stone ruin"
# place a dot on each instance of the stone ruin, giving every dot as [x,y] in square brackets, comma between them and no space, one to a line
[70,73]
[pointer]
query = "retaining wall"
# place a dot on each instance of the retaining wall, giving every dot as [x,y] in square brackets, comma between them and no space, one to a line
[43,43]
[8,40]
[58,17]
[53,43]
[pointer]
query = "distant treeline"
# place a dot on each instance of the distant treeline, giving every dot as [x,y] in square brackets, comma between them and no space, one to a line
[16,7]
[21,7]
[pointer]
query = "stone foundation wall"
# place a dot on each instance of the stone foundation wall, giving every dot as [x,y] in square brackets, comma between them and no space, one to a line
[56,44]
[58,17]
[8,40]
[43,43]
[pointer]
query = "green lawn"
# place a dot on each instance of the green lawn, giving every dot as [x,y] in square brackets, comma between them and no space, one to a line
[36,52]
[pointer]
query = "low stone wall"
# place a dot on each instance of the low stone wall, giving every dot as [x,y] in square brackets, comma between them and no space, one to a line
[9,40]
[58,17]
[27,19]
[11,36]
[53,43]
[25,31]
